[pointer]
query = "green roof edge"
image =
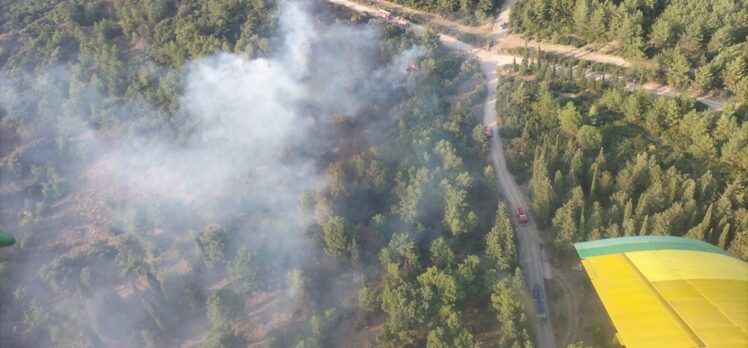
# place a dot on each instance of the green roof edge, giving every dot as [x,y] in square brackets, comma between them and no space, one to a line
[6,239]
[642,243]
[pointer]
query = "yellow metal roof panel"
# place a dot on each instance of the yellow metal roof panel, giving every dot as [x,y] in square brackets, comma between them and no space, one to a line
[669,292]
[632,305]
[657,265]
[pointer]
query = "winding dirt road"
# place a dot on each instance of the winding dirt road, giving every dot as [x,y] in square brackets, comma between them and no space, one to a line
[531,253]
[500,38]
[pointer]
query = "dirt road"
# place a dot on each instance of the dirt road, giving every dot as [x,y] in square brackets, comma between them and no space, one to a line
[500,38]
[531,254]
[530,251]
[497,32]
[584,53]
[713,103]
[485,56]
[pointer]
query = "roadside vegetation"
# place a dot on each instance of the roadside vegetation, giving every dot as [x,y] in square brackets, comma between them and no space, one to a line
[465,11]
[696,44]
[601,161]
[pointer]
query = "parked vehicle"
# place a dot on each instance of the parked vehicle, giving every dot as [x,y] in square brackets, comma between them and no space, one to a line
[521,215]
[388,17]
[384,15]
[537,293]
[401,21]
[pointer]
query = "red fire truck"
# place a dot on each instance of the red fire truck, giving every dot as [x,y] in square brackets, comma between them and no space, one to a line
[521,215]
[488,131]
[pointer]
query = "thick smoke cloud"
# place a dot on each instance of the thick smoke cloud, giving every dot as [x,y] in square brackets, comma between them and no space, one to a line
[253,118]
[258,129]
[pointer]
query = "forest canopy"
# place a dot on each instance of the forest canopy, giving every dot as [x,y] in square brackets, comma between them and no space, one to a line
[699,44]
[229,172]
[602,161]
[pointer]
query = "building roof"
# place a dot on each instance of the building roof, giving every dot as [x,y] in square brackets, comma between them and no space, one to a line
[670,291]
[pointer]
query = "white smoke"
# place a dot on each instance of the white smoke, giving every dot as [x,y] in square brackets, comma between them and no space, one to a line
[257,129]
[251,115]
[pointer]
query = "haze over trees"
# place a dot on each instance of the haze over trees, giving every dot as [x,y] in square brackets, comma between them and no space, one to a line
[150,213]
[428,238]
[121,48]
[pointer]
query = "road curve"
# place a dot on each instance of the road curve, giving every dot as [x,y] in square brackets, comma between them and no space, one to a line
[531,254]
[500,38]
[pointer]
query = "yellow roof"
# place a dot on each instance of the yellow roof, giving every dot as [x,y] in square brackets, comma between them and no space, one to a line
[670,292]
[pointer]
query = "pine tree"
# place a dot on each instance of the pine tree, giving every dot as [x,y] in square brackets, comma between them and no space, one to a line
[702,230]
[336,236]
[630,34]
[613,231]
[412,197]
[581,75]
[734,73]
[500,245]
[565,224]
[594,225]
[600,159]
[457,217]
[581,16]
[644,229]
[581,225]
[593,184]
[677,71]
[723,236]
[628,210]
[337,177]
[629,227]
[367,299]
[598,22]
[546,108]
[355,253]
[541,190]
[704,78]
[569,119]
[441,254]
[509,312]
[739,243]
[662,33]
[661,224]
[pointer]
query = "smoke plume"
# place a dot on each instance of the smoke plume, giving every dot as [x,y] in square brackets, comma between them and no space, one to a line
[255,130]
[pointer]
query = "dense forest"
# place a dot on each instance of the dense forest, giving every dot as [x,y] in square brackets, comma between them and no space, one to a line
[232,173]
[122,48]
[601,161]
[697,44]
[428,220]
[227,173]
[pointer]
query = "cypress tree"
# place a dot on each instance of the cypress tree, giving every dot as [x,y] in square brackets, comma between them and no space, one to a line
[723,236]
